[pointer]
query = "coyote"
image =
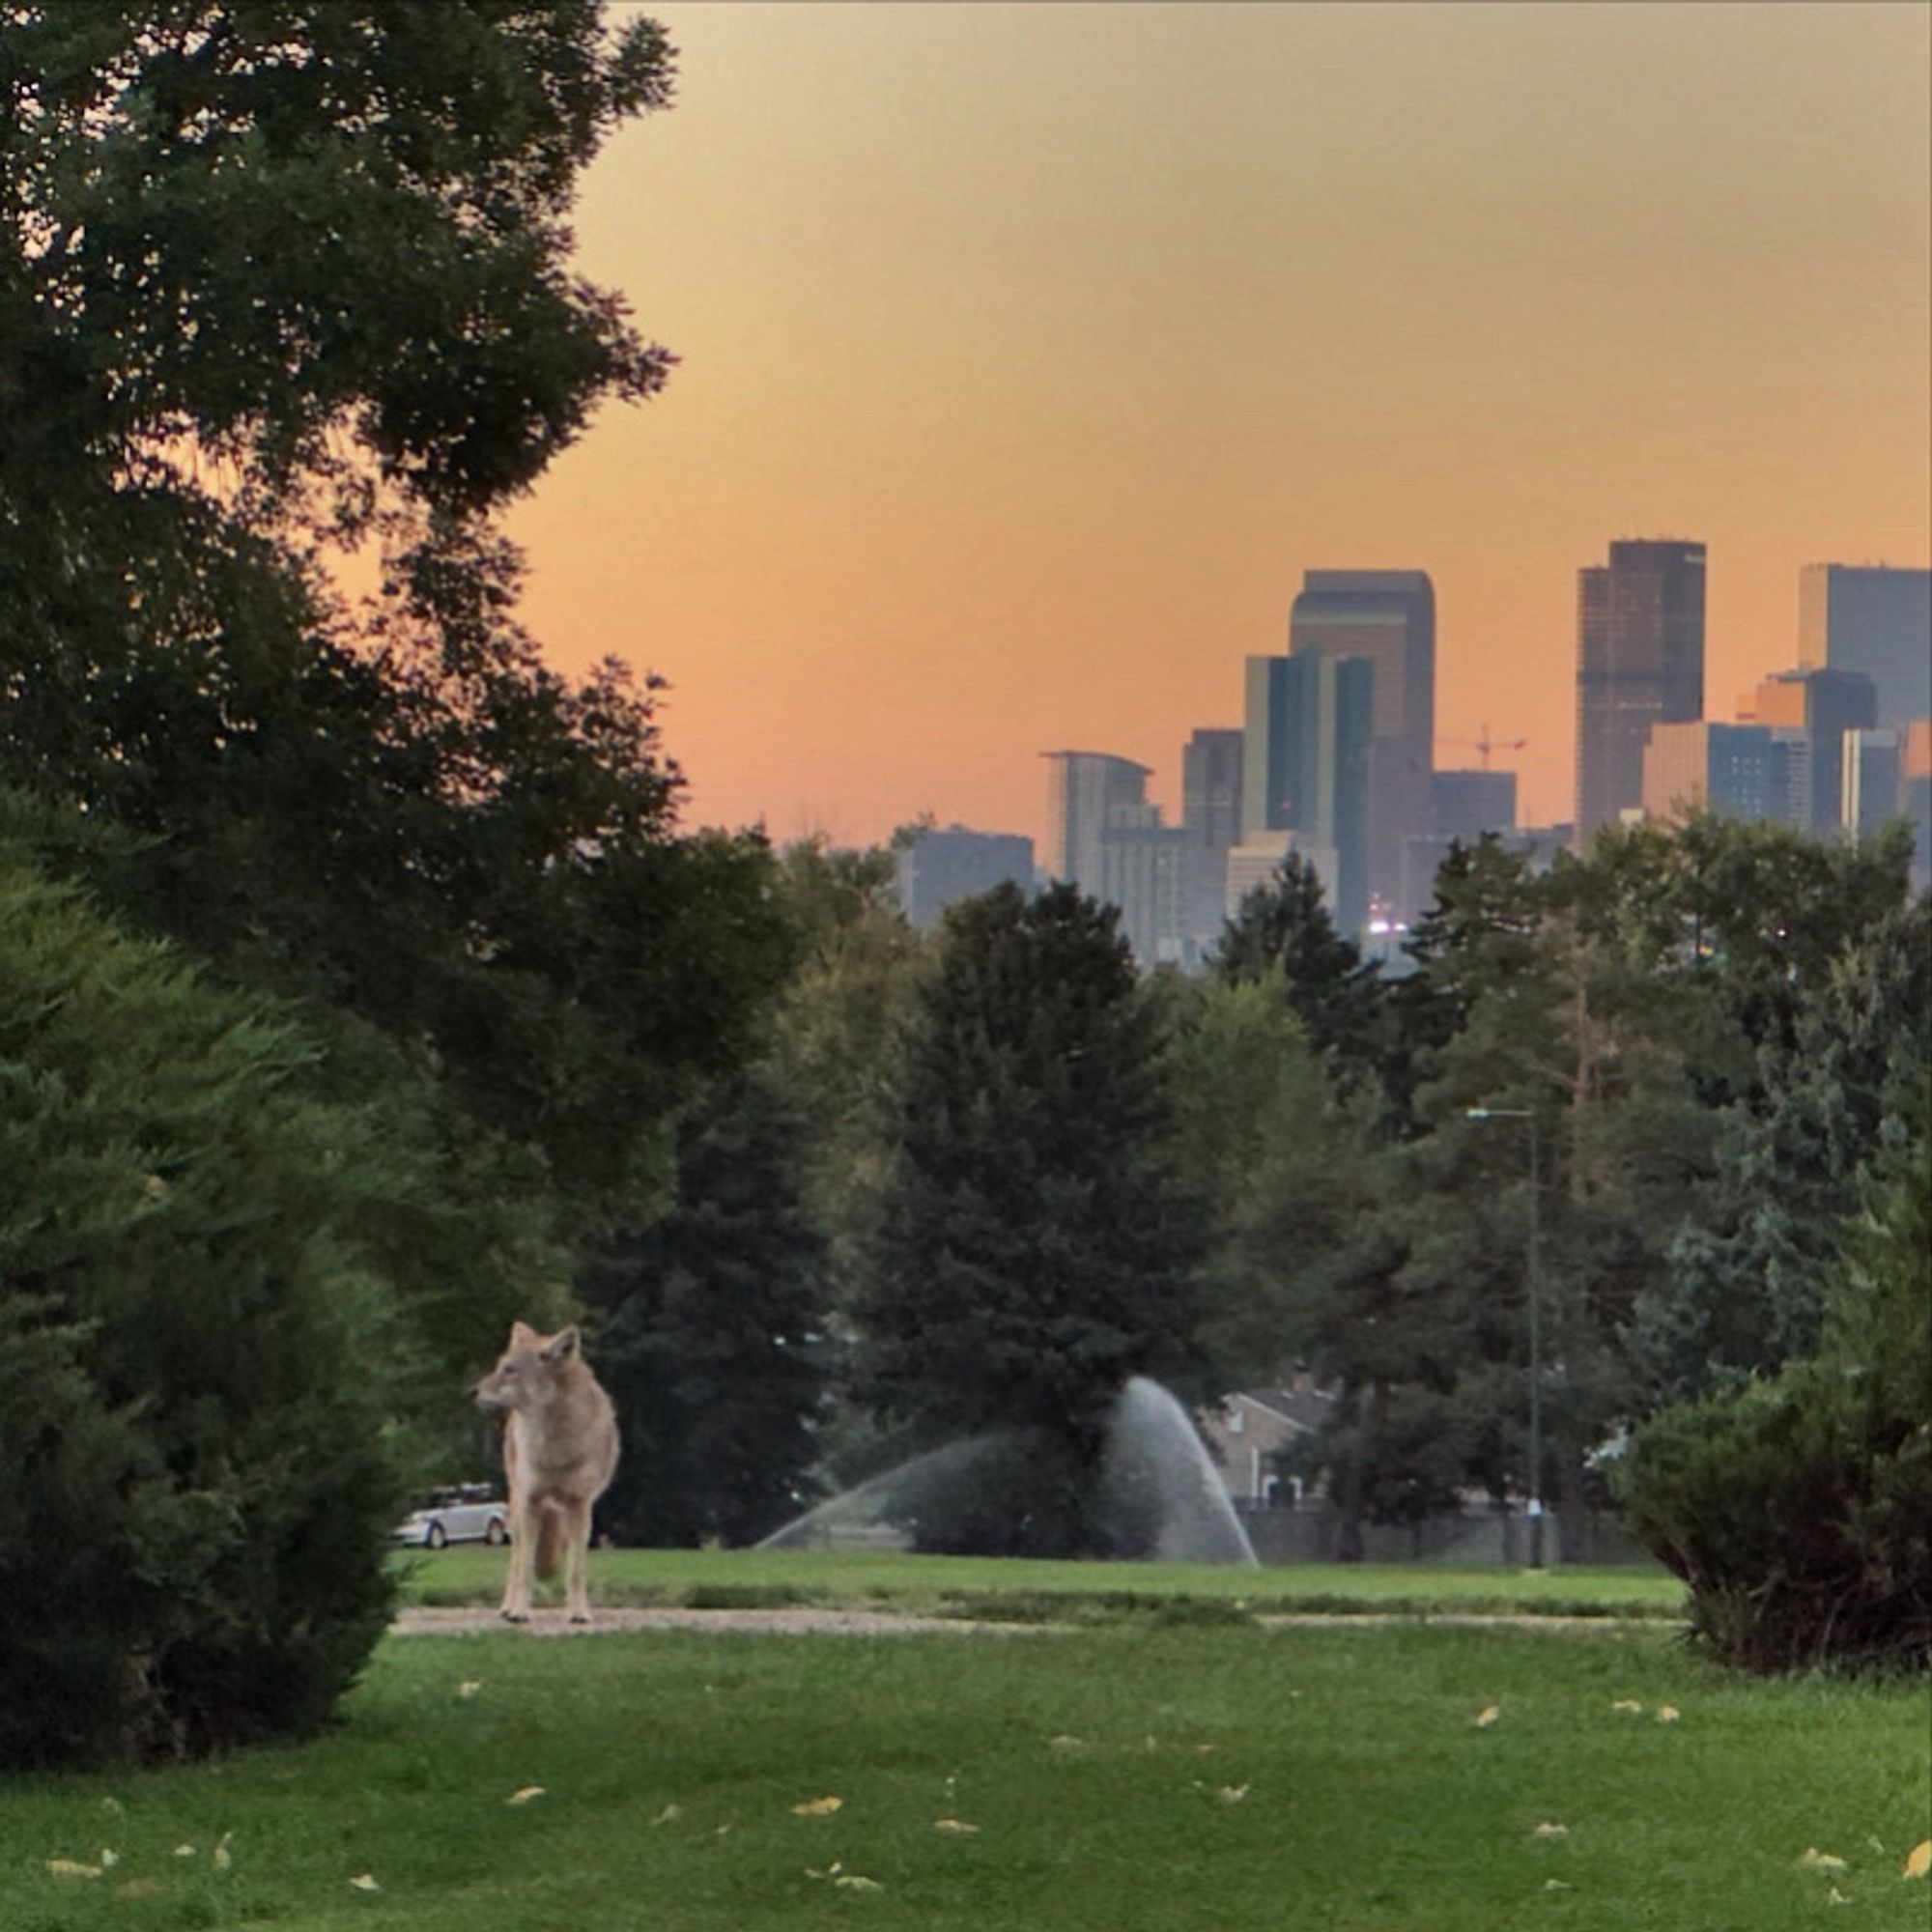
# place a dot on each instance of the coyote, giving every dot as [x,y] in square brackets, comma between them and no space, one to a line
[559,1453]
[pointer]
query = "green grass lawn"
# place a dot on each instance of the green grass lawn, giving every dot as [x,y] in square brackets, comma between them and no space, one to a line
[1133,1776]
[721,1578]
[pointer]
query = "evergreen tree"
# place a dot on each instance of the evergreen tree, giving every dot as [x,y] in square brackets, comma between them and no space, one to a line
[197,1355]
[1796,1507]
[713,1344]
[1746,1285]
[1037,1246]
[1283,931]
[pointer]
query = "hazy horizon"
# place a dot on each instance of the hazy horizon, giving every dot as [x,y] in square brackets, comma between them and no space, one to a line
[1030,354]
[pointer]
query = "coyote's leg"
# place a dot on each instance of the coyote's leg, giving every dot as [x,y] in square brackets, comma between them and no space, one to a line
[524,1524]
[576,1560]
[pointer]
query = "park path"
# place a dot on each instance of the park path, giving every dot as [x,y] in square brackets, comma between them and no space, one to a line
[807,1620]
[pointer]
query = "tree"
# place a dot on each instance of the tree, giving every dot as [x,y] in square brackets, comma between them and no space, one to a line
[713,1343]
[391,807]
[1745,1288]
[1275,1152]
[840,1026]
[1795,1508]
[196,1353]
[1035,1248]
[1284,929]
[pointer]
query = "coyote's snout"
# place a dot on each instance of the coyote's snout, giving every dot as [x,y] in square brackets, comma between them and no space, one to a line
[559,1453]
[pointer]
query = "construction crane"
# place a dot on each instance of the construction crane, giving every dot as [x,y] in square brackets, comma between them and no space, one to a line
[1484,745]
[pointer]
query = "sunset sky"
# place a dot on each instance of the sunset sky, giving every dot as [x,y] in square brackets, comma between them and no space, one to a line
[1031,353]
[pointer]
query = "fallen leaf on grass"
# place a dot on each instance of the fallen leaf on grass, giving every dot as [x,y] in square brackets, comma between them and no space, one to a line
[183,1851]
[1547,1829]
[72,1869]
[222,1855]
[670,1812]
[1233,1794]
[365,1881]
[1836,1897]
[470,1687]
[817,1807]
[1628,1704]
[1814,1859]
[852,1882]
[108,1860]
[1918,1861]
[1488,1716]
[524,1795]
[1667,1714]
[956,1826]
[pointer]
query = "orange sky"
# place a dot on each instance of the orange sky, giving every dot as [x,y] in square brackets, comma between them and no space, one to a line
[1031,353]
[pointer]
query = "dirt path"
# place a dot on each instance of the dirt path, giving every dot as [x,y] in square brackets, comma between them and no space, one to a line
[793,1620]
[806,1620]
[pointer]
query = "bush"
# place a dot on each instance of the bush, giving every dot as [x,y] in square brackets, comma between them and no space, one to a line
[194,1364]
[1798,1510]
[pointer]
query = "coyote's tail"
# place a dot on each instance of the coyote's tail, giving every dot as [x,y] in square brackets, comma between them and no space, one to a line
[549,1543]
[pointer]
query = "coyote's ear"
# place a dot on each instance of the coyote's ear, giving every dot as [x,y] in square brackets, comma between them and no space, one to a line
[522,1335]
[561,1346]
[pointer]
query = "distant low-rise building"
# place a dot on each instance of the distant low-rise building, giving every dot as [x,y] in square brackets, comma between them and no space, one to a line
[939,868]
[1465,804]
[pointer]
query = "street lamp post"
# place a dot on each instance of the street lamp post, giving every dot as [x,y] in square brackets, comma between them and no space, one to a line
[1534,1296]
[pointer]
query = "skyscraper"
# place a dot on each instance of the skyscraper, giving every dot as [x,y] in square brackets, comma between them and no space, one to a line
[1306,764]
[1087,792]
[1210,814]
[1639,662]
[1269,734]
[1875,621]
[1386,618]
[1211,786]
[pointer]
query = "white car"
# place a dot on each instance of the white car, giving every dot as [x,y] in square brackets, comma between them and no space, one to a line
[471,1513]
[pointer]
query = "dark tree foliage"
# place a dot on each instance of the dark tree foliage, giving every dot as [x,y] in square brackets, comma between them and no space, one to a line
[196,1355]
[1285,928]
[711,1338]
[281,282]
[1799,1509]
[1745,1286]
[1038,1247]
[1675,992]
[1480,930]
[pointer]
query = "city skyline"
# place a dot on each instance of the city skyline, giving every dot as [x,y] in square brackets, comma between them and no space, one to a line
[1032,356]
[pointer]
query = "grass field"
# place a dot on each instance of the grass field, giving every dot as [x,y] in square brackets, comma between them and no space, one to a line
[1133,1776]
[967,1587]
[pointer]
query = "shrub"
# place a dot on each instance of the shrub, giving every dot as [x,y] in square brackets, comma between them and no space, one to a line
[194,1364]
[1798,1510]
